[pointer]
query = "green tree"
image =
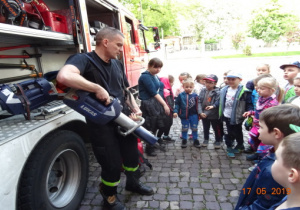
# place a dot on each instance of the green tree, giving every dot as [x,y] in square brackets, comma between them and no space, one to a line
[161,14]
[270,23]
[237,39]
[209,20]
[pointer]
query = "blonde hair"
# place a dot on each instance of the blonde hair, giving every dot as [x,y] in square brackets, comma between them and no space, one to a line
[188,81]
[269,82]
[272,83]
[264,64]
[291,151]
[255,81]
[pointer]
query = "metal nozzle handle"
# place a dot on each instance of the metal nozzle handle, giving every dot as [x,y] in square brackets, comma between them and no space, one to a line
[141,122]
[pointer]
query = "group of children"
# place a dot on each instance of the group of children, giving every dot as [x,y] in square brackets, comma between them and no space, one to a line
[274,133]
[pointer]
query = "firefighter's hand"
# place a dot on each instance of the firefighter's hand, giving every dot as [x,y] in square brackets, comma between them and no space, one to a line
[209,107]
[202,115]
[102,95]
[167,109]
[175,115]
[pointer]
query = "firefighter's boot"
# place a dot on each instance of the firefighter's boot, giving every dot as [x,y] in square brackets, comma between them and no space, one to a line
[134,184]
[110,199]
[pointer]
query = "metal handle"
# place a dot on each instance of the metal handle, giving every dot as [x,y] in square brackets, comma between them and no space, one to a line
[142,120]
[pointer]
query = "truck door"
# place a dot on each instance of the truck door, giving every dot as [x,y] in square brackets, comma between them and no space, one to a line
[134,54]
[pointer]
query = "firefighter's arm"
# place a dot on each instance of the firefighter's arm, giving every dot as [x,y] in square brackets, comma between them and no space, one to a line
[69,75]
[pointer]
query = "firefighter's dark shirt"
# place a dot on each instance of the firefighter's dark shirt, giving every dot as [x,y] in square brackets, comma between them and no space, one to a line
[113,72]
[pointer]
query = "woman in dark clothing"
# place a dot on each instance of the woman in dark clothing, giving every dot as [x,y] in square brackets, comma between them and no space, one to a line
[153,105]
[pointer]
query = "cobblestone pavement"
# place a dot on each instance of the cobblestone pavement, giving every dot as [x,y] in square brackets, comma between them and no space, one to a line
[189,178]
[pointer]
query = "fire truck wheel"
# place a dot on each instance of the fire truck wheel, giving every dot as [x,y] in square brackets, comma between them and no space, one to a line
[55,176]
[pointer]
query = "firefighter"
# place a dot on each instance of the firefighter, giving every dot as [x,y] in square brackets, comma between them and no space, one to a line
[112,150]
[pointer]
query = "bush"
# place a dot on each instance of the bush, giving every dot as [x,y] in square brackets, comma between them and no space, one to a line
[247,50]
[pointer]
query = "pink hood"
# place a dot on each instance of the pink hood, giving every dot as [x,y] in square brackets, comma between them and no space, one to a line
[167,87]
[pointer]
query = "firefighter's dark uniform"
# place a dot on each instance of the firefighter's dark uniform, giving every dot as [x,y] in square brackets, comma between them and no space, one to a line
[110,148]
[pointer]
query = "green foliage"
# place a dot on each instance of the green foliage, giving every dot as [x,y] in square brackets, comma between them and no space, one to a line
[155,13]
[247,50]
[237,39]
[210,41]
[209,20]
[259,55]
[269,23]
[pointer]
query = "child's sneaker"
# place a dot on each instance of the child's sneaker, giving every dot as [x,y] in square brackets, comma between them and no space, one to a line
[230,153]
[197,143]
[205,143]
[183,143]
[248,150]
[217,144]
[252,167]
[239,148]
[252,157]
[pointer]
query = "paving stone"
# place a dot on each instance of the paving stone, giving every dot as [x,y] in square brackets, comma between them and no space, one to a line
[198,191]
[210,198]
[181,179]
[186,205]
[172,197]
[212,205]
[174,205]
[226,206]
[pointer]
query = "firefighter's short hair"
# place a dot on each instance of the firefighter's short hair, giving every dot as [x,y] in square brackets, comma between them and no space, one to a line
[107,33]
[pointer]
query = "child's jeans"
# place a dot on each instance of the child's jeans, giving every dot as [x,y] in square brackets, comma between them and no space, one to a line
[191,122]
[215,123]
[233,132]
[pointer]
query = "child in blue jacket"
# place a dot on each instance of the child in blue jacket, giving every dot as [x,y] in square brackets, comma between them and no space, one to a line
[286,171]
[186,108]
[260,189]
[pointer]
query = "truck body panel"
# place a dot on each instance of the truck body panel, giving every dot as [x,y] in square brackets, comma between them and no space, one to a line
[19,137]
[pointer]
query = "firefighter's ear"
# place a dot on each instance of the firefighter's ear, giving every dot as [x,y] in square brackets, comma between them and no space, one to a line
[105,42]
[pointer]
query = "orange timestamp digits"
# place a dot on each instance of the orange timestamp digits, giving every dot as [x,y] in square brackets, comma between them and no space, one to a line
[263,191]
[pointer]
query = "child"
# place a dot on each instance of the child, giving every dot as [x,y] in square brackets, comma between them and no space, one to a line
[225,82]
[208,109]
[296,99]
[235,99]
[186,108]
[290,72]
[286,171]
[258,190]
[169,99]
[266,89]
[199,83]
[183,76]
[260,69]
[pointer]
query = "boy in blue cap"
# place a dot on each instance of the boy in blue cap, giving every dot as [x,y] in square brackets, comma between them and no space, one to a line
[235,100]
[290,72]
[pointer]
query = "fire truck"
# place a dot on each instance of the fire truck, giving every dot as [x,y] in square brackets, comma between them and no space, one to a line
[43,156]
